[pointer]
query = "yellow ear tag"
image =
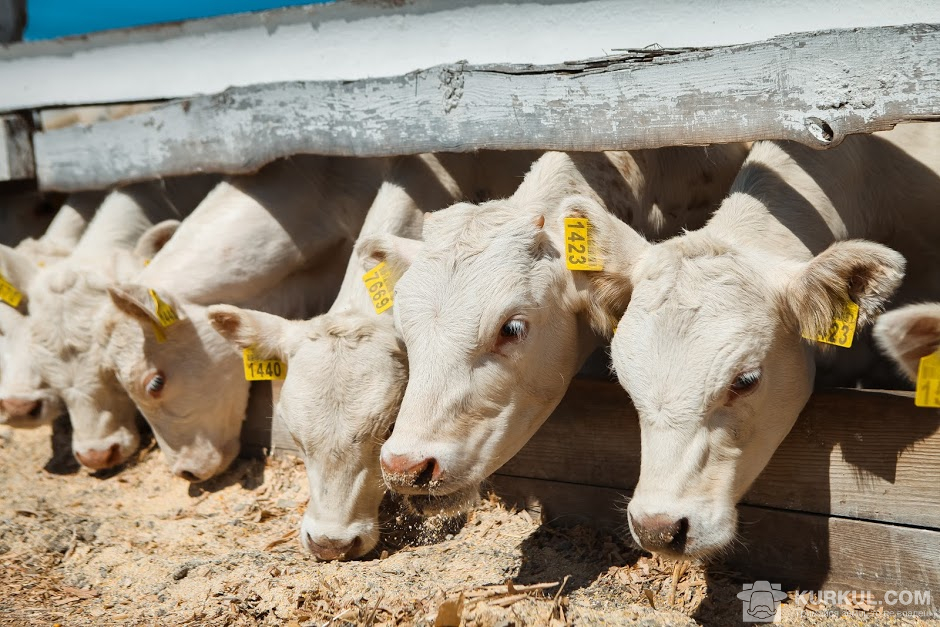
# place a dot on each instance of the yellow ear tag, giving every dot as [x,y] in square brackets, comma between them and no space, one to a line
[9,294]
[580,251]
[928,381]
[842,330]
[262,369]
[378,281]
[165,312]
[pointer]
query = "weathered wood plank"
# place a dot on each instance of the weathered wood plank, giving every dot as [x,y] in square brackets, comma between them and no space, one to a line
[16,149]
[852,453]
[805,551]
[12,20]
[814,88]
[351,39]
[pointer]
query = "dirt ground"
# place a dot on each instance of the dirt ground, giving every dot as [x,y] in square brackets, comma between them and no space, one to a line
[137,546]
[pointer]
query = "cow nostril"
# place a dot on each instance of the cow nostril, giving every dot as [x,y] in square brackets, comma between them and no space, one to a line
[114,455]
[425,475]
[36,410]
[660,532]
[188,476]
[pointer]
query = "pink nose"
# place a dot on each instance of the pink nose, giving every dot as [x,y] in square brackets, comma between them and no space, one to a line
[660,532]
[402,471]
[19,408]
[98,459]
[327,549]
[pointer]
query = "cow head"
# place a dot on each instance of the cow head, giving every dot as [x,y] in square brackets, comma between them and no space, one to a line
[346,373]
[185,379]
[495,329]
[710,350]
[67,335]
[908,334]
[25,400]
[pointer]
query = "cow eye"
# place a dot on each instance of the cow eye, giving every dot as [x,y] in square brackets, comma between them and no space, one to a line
[155,384]
[746,382]
[513,329]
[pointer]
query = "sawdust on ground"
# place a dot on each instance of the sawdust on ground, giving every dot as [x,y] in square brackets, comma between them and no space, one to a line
[137,546]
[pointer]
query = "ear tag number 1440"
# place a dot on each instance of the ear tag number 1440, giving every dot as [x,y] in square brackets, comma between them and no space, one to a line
[9,294]
[580,249]
[378,282]
[262,369]
[842,330]
[928,381]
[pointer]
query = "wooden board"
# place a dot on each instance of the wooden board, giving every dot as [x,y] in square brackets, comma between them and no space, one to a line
[354,39]
[797,550]
[814,88]
[852,453]
[16,149]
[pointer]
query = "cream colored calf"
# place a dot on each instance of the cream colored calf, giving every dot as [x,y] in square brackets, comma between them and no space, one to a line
[710,346]
[494,323]
[67,302]
[909,334]
[347,368]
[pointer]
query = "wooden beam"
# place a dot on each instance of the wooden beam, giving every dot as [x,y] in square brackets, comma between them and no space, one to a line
[798,550]
[852,453]
[12,20]
[16,149]
[351,40]
[814,88]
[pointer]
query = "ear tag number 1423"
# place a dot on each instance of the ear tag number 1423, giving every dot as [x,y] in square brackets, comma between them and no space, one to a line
[378,282]
[262,369]
[580,249]
[9,294]
[842,330]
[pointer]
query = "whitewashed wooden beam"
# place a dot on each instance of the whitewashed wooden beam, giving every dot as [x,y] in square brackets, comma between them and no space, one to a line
[16,150]
[814,88]
[354,39]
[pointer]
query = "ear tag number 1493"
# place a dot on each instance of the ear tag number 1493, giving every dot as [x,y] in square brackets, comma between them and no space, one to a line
[842,330]
[378,282]
[9,294]
[262,369]
[928,381]
[580,249]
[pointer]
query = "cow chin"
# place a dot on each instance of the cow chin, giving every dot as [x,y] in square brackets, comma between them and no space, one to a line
[448,505]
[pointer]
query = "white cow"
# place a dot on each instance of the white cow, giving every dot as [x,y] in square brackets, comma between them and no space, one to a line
[494,323]
[909,334]
[313,209]
[24,400]
[347,368]
[710,346]
[67,299]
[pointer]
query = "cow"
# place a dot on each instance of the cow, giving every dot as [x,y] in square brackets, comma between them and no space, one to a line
[711,344]
[909,334]
[24,401]
[347,368]
[66,299]
[496,326]
[313,240]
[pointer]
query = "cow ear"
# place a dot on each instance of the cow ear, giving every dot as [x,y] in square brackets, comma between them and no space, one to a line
[908,334]
[18,270]
[861,271]
[141,303]
[267,335]
[618,249]
[397,252]
[155,238]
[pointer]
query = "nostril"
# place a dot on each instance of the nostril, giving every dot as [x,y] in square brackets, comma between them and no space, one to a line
[424,475]
[188,476]
[114,455]
[680,533]
[660,532]
[36,411]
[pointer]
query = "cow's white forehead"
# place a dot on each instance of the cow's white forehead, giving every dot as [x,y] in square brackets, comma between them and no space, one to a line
[693,323]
